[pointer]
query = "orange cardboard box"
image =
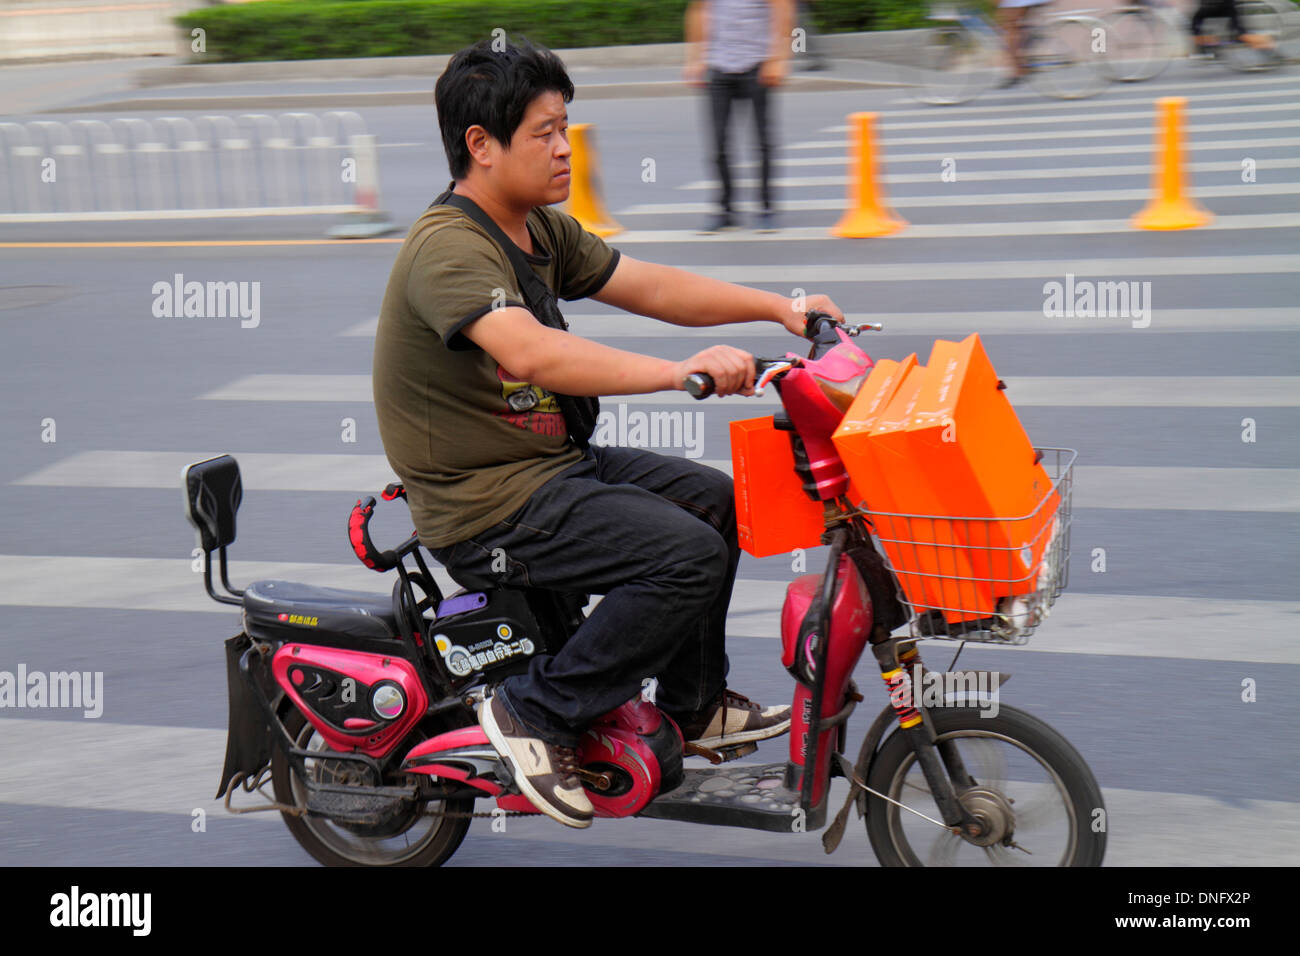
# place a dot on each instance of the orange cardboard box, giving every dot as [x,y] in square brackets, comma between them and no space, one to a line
[928,559]
[853,436]
[773,515]
[963,427]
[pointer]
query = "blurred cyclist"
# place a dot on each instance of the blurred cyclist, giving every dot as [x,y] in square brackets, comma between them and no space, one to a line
[1224,8]
[1010,15]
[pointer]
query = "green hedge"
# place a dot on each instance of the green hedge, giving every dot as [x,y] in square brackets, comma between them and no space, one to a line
[315,29]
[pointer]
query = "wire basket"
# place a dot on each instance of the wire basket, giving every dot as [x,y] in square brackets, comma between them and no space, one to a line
[983,579]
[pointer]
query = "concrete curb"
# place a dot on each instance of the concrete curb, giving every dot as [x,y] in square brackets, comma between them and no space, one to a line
[890,46]
[587,92]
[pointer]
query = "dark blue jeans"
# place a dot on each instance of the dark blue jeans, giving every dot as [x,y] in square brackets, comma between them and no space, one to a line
[723,88]
[657,537]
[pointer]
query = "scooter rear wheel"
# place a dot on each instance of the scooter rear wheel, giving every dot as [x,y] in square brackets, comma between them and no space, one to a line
[414,839]
[1032,786]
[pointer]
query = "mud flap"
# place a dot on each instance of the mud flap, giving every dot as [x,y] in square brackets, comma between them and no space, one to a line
[248,740]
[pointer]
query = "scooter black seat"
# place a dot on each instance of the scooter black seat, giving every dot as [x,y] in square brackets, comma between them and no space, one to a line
[288,610]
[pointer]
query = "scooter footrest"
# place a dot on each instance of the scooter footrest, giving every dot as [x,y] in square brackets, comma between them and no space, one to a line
[736,752]
[750,796]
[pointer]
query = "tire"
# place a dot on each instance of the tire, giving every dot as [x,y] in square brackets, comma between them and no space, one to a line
[1014,755]
[954,67]
[388,844]
[1061,61]
[1136,45]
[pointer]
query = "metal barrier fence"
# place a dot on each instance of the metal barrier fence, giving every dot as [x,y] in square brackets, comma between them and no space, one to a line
[176,167]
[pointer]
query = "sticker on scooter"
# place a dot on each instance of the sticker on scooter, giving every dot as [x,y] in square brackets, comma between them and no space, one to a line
[463,661]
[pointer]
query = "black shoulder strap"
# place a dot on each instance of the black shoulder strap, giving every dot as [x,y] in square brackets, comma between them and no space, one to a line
[540,298]
[580,414]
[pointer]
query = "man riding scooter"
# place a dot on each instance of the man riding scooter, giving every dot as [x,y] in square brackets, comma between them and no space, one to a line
[482,401]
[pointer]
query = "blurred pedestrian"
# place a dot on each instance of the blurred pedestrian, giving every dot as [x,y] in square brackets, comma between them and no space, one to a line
[739,50]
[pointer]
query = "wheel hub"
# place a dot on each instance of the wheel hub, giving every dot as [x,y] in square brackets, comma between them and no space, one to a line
[996,818]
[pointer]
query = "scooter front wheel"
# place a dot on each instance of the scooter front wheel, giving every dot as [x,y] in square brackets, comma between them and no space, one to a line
[414,837]
[1035,793]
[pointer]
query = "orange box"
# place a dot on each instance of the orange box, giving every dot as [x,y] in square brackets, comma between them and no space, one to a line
[773,515]
[927,557]
[963,427]
[853,436]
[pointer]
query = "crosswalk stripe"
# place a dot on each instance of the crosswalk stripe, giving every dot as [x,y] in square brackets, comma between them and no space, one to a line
[1121,625]
[975,155]
[1141,267]
[1056,118]
[1172,488]
[955,230]
[1001,175]
[140,768]
[1091,135]
[945,198]
[1080,623]
[1097,486]
[607,325]
[1093,109]
[1084,391]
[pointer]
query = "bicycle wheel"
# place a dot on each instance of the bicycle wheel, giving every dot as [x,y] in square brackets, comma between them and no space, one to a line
[1136,46]
[1062,59]
[954,67]
[1032,788]
[1258,18]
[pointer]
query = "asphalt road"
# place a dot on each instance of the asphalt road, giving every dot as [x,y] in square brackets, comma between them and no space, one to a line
[1186,429]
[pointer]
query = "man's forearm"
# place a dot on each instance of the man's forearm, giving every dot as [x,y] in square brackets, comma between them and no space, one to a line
[684,298]
[696,32]
[571,365]
[782,23]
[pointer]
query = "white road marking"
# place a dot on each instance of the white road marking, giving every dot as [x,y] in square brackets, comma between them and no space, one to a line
[1193,391]
[620,325]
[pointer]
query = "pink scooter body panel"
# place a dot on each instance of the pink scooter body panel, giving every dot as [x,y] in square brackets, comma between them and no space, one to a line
[296,666]
[850,628]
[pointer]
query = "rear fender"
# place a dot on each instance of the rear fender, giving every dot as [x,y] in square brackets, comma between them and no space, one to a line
[248,737]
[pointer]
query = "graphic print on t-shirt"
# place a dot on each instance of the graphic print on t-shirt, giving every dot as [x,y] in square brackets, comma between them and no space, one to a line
[531,406]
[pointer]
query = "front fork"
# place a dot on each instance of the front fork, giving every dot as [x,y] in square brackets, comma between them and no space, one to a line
[940,761]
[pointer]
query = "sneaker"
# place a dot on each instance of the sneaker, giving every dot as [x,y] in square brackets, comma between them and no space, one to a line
[723,220]
[546,774]
[767,221]
[733,719]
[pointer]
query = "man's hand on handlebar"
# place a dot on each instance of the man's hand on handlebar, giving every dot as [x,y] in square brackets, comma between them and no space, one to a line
[794,320]
[732,370]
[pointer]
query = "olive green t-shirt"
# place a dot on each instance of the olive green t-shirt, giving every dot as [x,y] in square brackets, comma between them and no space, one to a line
[468,439]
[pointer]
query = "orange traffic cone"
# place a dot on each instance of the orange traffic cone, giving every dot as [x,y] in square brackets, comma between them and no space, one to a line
[868,215]
[585,203]
[1170,207]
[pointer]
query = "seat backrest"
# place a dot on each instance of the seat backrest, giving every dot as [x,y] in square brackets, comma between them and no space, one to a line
[213,491]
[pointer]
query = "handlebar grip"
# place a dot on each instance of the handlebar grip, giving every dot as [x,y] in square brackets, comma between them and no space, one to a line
[699,384]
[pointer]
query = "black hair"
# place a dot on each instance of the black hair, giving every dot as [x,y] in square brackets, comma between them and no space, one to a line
[493,88]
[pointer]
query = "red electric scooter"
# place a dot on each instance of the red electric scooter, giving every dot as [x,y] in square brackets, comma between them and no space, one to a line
[359,710]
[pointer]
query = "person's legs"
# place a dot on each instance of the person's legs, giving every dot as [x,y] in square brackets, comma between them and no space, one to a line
[758,97]
[659,566]
[696,673]
[722,89]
